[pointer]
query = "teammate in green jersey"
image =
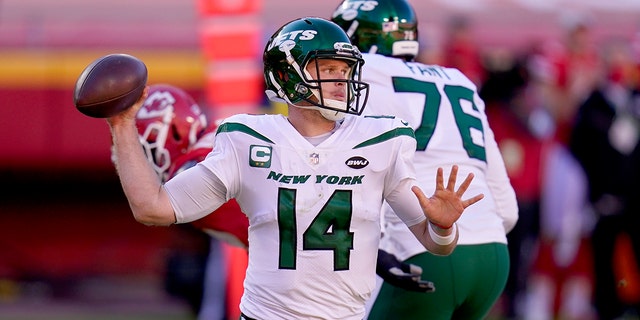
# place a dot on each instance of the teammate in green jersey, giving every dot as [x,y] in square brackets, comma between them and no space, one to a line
[447,115]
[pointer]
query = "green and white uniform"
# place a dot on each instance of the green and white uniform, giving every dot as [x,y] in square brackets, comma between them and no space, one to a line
[443,107]
[313,210]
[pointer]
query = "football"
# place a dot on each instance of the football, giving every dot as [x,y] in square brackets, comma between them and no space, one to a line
[109,85]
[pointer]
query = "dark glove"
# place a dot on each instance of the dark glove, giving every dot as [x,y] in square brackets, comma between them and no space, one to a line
[400,274]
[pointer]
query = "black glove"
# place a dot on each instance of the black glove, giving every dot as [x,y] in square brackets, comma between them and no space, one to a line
[400,274]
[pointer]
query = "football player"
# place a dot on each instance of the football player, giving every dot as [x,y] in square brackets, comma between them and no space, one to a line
[175,134]
[311,183]
[447,116]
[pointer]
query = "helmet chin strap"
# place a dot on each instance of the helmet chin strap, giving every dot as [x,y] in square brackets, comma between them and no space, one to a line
[329,114]
[333,114]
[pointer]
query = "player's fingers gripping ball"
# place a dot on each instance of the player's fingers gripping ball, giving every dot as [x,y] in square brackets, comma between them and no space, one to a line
[109,85]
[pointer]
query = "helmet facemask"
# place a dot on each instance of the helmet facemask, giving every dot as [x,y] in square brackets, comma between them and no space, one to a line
[331,109]
[153,141]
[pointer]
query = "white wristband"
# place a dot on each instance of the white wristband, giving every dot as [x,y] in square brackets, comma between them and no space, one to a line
[446,240]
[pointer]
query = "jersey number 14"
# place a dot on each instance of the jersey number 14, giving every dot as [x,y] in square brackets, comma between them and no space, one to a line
[329,230]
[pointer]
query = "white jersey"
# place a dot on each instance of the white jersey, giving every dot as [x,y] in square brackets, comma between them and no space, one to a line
[313,210]
[443,107]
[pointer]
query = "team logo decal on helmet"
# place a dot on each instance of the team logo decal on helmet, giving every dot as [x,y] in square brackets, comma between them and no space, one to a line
[349,9]
[288,39]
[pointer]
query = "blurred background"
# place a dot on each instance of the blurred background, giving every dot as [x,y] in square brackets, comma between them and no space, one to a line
[69,247]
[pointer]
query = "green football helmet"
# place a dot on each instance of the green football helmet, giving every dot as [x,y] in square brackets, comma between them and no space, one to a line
[307,40]
[386,27]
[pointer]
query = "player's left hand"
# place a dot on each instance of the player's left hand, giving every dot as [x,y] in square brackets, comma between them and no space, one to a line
[446,205]
[400,274]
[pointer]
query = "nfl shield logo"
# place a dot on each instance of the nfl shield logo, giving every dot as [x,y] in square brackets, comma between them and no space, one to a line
[314,158]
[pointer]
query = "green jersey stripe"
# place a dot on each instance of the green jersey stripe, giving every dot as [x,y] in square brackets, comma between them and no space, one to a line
[232,126]
[387,136]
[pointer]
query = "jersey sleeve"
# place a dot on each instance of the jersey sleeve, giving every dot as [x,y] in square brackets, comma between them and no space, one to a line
[405,204]
[399,196]
[204,187]
[222,161]
[194,193]
[227,223]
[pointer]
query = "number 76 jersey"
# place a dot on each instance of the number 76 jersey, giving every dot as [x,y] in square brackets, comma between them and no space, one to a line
[451,127]
[314,211]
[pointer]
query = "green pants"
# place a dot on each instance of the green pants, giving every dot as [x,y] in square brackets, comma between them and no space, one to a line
[468,283]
